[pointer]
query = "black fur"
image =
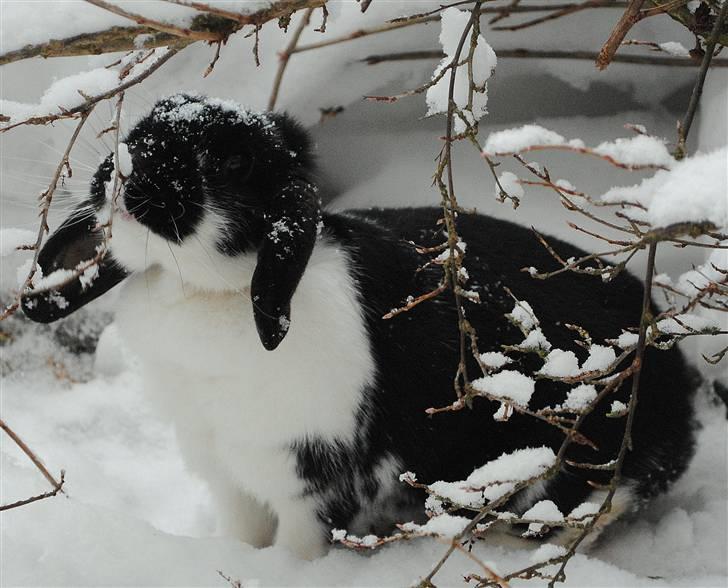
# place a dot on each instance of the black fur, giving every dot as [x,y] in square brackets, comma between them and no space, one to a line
[191,154]
[256,172]
[417,354]
[73,242]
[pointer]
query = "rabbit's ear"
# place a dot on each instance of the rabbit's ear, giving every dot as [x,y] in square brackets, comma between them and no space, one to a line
[291,226]
[74,242]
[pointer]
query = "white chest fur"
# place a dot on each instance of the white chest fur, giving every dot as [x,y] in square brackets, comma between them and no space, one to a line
[236,406]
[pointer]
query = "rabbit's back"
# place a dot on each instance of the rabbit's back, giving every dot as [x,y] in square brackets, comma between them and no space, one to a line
[418,351]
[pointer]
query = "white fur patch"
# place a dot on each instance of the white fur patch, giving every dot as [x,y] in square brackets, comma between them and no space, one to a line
[237,407]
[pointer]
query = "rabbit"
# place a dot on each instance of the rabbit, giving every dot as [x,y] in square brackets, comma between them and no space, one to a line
[258,319]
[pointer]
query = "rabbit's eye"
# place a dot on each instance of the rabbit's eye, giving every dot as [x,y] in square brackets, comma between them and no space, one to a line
[238,167]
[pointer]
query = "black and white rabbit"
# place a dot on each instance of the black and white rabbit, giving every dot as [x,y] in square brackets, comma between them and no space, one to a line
[258,320]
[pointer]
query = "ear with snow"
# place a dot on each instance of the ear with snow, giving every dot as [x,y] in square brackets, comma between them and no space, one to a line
[291,226]
[73,243]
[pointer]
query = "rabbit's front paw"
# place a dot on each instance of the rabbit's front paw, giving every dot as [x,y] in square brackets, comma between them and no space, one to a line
[300,531]
[243,517]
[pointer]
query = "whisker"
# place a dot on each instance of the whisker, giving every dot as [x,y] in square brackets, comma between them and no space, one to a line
[181,281]
[77,162]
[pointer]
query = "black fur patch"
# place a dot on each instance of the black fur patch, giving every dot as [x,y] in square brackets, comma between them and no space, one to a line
[417,354]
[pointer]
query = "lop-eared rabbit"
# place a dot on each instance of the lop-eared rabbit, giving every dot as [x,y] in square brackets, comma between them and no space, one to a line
[258,321]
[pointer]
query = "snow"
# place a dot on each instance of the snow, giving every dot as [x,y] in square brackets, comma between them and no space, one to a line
[73,90]
[523,315]
[692,281]
[54,279]
[459,248]
[565,185]
[674,48]
[508,385]
[535,341]
[63,94]
[585,509]
[494,359]
[627,340]
[443,524]
[511,184]
[134,514]
[560,364]
[338,534]
[25,23]
[580,397]
[565,364]
[633,151]
[689,323]
[521,138]
[125,165]
[618,408]
[543,510]
[23,270]
[637,150]
[600,358]
[488,482]
[453,23]
[11,239]
[521,464]
[546,552]
[702,177]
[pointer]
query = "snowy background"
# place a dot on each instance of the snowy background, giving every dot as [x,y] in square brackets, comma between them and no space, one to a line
[133,515]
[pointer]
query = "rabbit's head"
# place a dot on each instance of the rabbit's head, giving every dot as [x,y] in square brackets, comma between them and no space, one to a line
[206,177]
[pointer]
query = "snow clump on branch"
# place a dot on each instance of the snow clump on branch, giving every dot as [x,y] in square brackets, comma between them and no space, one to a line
[454,22]
[693,190]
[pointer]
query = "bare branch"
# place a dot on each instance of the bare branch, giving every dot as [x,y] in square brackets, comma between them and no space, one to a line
[56,484]
[687,121]
[285,56]
[86,107]
[625,23]
[546,54]
[45,204]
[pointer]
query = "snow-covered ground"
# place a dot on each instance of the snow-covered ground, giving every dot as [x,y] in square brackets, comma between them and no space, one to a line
[132,514]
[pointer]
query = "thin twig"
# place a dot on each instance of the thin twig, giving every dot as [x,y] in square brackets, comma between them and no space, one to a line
[285,56]
[37,497]
[79,110]
[523,53]
[107,41]
[276,10]
[170,29]
[687,121]
[45,205]
[558,13]
[358,34]
[32,456]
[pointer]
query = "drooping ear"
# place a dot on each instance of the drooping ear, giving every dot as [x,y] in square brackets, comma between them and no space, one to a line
[291,226]
[73,243]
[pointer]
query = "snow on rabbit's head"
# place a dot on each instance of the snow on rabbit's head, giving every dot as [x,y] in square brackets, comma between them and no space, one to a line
[194,159]
[204,183]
